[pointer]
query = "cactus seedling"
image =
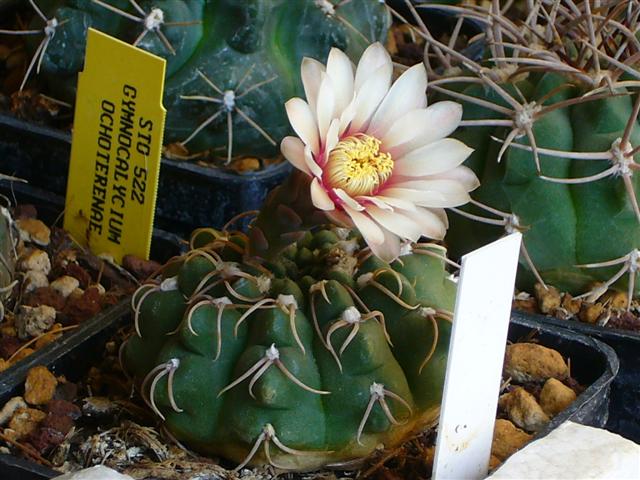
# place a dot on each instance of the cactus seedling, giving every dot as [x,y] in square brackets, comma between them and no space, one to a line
[230,64]
[303,344]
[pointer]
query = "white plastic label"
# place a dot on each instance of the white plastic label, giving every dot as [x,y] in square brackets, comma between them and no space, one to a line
[476,355]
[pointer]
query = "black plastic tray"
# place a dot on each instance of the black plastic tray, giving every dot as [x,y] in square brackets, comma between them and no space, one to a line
[189,196]
[624,411]
[593,363]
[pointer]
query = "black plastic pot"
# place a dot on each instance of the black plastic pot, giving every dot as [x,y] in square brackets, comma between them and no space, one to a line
[593,363]
[624,410]
[189,195]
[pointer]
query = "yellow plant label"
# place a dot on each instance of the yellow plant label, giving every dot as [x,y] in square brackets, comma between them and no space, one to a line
[116,147]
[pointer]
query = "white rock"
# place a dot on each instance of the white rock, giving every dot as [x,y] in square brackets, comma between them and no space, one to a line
[574,451]
[36,259]
[33,280]
[98,472]
[34,321]
[65,285]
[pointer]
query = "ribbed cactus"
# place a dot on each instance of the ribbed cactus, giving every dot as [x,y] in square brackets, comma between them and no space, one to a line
[8,259]
[552,120]
[231,64]
[315,357]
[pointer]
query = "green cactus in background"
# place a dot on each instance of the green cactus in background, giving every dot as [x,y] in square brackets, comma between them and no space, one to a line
[231,64]
[554,127]
[314,356]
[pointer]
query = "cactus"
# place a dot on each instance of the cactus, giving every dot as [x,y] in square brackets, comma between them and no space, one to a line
[313,357]
[552,118]
[231,64]
[8,258]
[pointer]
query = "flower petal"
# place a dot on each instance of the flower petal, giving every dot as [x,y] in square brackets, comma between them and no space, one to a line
[340,70]
[369,96]
[422,127]
[303,122]
[374,57]
[347,200]
[395,222]
[319,196]
[376,201]
[431,223]
[293,150]
[406,94]
[388,250]
[331,140]
[431,193]
[311,72]
[434,158]
[326,105]
[463,175]
[338,217]
[369,229]
[313,167]
[397,202]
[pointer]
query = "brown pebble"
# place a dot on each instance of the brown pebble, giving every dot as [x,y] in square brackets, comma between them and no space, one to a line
[25,211]
[25,420]
[60,423]
[615,299]
[555,397]
[507,439]
[39,386]
[63,408]
[34,230]
[548,298]
[523,410]
[8,346]
[494,462]
[591,313]
[526,305]
[79,309]
[570,304]
[66,391]
[139,267]
[76,271]
[45,296]
[8,330]
[530,362]
[43,439]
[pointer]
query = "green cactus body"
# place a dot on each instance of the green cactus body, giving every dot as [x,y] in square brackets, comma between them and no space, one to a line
[296,369]
[7,256]
[565,225]
[244,55]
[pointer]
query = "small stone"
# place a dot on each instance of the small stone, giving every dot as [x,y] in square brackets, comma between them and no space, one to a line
[615,299]
[591,313]
[34,279]
[39,386]
[35,260]
[25,211]
[98,406]
[82,308]
[8,330]
[43,439]
[548,298]
[98,472]
[525,302]
[45,296]
[8,346]
[34,230]
[65,285]
[25,420]
[4,364]
[66,391]
[34,321]
[570,304]
[59,423]
[139,267]
[530,362]
[10,407]
[63,408]
[247,164]
[507,439]
[523,410]
[76,271]
[555,397]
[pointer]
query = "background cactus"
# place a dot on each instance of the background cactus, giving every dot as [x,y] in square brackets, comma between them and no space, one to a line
[315,357]
[552,119]
[243,56]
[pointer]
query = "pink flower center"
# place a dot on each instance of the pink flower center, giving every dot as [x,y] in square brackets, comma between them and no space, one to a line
[357,166]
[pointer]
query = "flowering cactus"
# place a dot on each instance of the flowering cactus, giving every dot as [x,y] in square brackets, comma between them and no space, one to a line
[230,64]
[296,345]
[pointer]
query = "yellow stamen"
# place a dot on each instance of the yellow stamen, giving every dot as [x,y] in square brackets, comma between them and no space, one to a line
[357,166]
